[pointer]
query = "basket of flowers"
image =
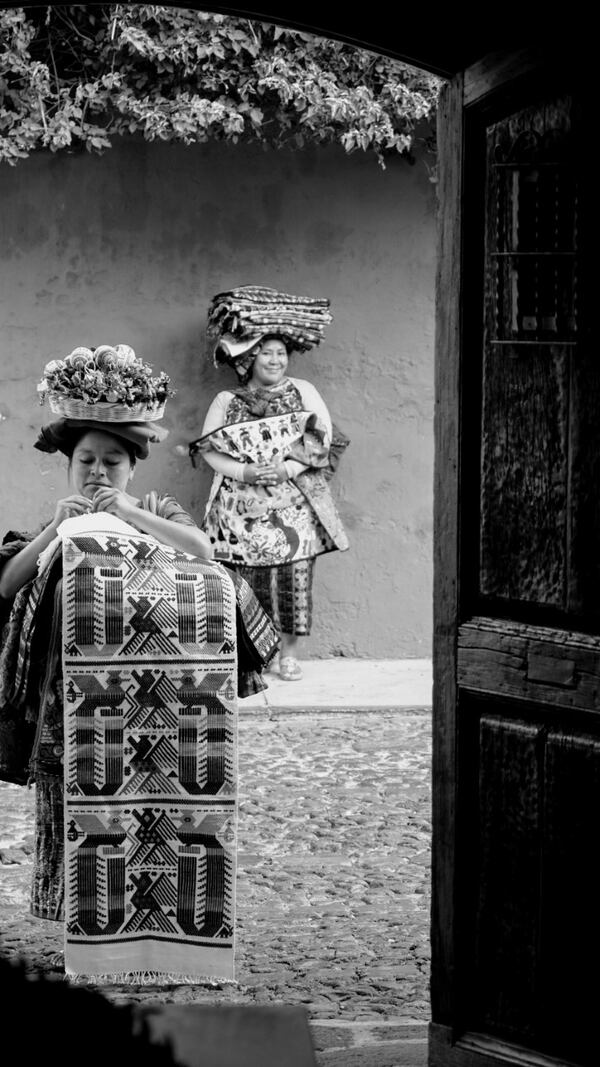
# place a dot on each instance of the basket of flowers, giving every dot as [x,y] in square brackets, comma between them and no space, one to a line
[108,384]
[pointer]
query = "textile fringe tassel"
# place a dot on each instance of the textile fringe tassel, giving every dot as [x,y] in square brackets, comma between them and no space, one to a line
[146,978]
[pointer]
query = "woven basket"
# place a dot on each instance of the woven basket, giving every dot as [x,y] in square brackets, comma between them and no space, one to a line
[102,411]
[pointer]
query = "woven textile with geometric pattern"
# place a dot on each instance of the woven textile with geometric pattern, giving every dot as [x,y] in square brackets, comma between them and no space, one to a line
[149,662]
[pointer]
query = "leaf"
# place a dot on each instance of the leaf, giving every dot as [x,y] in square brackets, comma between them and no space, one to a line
[178,74]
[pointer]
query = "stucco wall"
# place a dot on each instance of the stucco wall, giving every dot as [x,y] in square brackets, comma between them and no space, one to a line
[130,247]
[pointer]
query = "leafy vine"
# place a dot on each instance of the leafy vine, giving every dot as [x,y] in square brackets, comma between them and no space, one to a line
[76,77]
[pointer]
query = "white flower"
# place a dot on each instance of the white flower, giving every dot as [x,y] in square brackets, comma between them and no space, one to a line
[86,353]
[126,352]
[53,366]
[102,352]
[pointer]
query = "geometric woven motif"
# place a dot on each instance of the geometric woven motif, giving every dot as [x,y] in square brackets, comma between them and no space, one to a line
[149,663]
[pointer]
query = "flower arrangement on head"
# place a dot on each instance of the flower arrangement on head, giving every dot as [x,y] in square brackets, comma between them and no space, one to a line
[104,382]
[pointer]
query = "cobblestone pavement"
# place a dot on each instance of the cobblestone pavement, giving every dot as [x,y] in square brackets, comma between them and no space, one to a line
[333,870]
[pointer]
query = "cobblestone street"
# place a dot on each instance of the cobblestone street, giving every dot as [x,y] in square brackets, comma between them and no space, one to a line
[333,870]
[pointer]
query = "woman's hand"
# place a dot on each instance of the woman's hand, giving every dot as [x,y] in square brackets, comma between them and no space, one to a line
[24,565]
[69,507]
[253,473]
[115,501]
[265,473]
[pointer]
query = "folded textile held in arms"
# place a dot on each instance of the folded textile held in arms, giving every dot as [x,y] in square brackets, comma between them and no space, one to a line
[26,621]
[252,310]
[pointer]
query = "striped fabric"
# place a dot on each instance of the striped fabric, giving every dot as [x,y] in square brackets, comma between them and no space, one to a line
[285,593]
[252,310]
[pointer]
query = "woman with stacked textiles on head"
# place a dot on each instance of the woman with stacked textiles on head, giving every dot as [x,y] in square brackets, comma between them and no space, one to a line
[273,448]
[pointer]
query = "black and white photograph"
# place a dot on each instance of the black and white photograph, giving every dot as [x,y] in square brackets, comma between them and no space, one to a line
[300,516]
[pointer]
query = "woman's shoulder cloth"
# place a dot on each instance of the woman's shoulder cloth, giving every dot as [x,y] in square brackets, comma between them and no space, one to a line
[299,382]
[305,388]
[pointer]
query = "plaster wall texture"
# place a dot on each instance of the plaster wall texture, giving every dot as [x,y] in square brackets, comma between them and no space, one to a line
[130,247]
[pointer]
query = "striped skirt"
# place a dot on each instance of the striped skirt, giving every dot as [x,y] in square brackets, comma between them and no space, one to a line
[48,882]
[285,593]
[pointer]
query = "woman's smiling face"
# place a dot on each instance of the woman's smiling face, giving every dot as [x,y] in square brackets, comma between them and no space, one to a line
[270,363]
[99,459]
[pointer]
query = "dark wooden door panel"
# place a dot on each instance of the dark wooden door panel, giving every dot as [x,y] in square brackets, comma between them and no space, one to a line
[517,575]
[570,930]
[584,482]
[525,474]
[504,976]
[531,356]
[528,822]
[530,825]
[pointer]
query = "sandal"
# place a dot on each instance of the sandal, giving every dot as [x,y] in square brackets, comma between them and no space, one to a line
[289,669]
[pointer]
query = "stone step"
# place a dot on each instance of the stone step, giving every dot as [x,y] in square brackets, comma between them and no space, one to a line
[261,1035]
[344,683]
[389,1043]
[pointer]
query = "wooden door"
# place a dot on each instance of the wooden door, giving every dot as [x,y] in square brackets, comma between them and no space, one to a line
[516,771]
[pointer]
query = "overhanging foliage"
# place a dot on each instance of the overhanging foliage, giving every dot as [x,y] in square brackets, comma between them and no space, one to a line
[78,76]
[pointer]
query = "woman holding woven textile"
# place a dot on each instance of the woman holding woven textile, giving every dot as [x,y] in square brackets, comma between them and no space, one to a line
[102,461]
[270,512]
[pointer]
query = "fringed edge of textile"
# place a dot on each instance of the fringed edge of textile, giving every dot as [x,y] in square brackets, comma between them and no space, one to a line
[148,978]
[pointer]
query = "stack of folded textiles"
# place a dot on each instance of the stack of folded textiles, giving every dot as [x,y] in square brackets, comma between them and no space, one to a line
[252,310]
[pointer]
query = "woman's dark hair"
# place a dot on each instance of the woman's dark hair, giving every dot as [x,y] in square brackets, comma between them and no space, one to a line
[76,435]
[286,342]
